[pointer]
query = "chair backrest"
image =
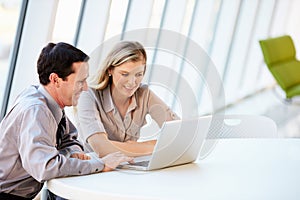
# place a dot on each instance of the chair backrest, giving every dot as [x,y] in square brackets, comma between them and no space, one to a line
[280,56]
[237,126]
[278,49]
[242,126]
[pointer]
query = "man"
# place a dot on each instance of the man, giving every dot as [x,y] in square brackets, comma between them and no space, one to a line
[37,141]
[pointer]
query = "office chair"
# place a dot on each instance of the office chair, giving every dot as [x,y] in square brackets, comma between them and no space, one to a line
[237,126]
[280,57]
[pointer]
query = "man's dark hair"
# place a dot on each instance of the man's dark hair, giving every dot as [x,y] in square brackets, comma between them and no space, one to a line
[58,58]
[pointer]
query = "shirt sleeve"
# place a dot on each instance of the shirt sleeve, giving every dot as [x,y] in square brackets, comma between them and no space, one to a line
[88,117]
[37,150]
[158,110]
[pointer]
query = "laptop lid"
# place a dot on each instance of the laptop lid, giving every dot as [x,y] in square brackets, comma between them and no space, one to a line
[179,142]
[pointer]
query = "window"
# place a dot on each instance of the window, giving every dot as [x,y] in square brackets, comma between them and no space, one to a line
[66,21]
[9,15]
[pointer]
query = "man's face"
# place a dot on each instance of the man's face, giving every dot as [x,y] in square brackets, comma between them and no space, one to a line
[74,84]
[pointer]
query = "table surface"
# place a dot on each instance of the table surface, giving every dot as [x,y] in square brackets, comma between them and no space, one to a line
[235,169]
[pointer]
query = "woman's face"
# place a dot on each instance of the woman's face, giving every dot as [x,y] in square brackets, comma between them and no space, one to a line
[126,78]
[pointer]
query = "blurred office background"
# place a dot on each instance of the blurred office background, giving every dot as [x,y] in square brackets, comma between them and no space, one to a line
[227,30]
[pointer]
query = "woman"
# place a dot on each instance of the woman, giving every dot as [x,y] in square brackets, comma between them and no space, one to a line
[112,112]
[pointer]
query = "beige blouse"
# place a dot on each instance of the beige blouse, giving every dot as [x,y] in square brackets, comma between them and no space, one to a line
[97,113]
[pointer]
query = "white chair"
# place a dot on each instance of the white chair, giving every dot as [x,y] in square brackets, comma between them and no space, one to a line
[237,126]
[242,126]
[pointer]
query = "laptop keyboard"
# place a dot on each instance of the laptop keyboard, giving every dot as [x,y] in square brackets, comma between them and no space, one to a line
[141,163]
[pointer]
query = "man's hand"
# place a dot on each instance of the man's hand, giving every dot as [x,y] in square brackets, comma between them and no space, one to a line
[80,156]
[112,160]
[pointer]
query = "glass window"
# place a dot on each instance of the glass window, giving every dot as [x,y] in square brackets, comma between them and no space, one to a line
[66,21]
[9,15]
[117,18]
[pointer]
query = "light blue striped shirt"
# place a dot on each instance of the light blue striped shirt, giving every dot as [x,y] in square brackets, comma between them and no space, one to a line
[27,145]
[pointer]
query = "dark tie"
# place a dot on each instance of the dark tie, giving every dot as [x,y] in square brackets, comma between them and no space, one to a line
[60,130]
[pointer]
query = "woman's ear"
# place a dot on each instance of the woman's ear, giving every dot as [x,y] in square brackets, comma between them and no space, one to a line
[109,72]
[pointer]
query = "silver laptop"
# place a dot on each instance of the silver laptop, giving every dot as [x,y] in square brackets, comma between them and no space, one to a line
[179,142]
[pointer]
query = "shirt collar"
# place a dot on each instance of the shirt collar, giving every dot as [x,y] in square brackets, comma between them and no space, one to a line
[52,104]
[133,103]
[107,100]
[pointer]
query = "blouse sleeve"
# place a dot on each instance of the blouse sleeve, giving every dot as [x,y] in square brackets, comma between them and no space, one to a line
[159,111]
[88,121]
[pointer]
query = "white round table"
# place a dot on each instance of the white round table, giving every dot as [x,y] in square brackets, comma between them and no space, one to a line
[235,169]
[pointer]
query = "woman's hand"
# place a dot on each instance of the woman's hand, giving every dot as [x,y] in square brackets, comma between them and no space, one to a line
[149,142]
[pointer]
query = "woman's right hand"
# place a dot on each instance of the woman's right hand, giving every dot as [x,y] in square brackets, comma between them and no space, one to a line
[148,142]
[151,142]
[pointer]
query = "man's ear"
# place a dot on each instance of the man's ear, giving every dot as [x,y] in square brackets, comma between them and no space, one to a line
[54,79]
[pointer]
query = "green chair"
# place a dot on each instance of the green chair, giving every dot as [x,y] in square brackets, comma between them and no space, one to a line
[280,57]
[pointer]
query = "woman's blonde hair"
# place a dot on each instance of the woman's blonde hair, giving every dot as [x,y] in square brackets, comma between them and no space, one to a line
[124,51]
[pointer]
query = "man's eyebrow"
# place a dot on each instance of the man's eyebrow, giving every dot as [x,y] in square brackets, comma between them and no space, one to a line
[83,79]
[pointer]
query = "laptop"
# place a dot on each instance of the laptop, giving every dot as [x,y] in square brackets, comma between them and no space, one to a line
[179,142]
